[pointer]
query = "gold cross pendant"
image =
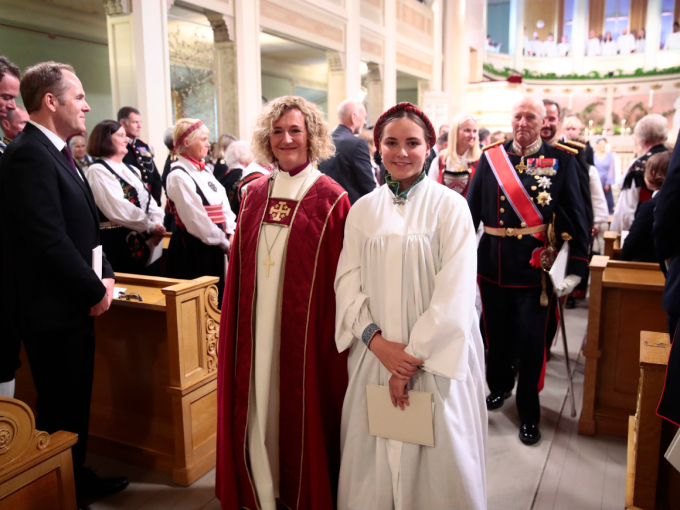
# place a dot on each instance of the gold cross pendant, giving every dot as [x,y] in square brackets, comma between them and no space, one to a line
[268,263]
[521,167]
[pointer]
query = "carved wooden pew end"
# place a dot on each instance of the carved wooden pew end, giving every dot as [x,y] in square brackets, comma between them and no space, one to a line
[36,469]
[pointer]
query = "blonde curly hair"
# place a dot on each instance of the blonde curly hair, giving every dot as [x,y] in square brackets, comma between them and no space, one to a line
[319,144]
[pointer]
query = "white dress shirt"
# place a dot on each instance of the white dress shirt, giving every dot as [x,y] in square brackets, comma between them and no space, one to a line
[549,49]
[58,143]
[626,44]
[672,41]
[594,47]
[109,196]
[181,189]
[563,49]
[609,48]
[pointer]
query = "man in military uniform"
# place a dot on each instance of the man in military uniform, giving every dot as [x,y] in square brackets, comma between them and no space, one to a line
[519,190]
[139,153]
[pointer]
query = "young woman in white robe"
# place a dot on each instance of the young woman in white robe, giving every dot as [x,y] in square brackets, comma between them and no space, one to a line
[405,285]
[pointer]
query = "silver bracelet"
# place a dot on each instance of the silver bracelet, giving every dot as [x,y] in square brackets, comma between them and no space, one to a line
[369,333]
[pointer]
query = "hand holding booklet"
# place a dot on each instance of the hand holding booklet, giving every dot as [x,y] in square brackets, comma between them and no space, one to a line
[415,424]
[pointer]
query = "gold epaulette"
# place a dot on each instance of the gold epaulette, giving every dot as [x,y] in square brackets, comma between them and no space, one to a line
[570,150]
[492,145]
[574,143]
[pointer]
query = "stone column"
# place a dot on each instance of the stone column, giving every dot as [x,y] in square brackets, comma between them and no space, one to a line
[226,83]
[578,35]
[438,45]
[248,71]
[457,52]
[652,33]
[390,63]
[424,87]
[516,36]
[609,107]
[353,50]
[376,92]
[337,84]
[140,65]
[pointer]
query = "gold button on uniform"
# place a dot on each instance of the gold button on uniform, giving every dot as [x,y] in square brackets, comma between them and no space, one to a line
[502,197]
[501,222]
[502,210]
[523,224]
[533,188]
[519,236]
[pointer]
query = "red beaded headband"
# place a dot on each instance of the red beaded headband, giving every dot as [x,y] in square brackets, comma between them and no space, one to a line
[187,132]
[431,137]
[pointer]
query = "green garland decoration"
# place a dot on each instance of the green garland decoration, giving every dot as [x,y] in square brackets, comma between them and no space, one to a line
[506,72]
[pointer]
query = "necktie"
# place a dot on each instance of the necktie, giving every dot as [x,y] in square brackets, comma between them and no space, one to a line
[67,154]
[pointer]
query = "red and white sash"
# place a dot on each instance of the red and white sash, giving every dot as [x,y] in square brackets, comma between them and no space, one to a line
[513,188]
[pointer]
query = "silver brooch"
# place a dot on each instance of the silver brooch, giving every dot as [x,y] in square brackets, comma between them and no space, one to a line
[399,200]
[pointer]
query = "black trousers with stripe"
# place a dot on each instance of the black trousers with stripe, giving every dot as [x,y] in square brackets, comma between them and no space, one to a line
[516,326]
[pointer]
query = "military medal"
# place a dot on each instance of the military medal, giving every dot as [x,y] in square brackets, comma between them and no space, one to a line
[521,166]
[212,186]
[544,182]
[544,198]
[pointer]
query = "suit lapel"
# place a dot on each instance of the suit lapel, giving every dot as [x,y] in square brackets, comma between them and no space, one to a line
[61,159]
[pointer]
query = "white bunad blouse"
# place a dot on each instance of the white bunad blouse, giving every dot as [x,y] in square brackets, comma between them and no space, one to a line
[181,189]
[110,198]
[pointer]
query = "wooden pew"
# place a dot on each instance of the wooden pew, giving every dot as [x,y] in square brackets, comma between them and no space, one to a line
[154,398]
[651,482]
[612,245]
[625,299]
[36,470]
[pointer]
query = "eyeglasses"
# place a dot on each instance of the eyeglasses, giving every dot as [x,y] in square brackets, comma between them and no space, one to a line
[128,297]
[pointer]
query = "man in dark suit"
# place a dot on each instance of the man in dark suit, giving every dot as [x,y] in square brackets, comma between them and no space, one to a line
[438,147]
[49,227]
[351,165]
[667,241]
[10,343]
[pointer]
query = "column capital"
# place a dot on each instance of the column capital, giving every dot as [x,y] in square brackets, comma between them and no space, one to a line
[116,7]
[218,22]
[375,71]
[336,61]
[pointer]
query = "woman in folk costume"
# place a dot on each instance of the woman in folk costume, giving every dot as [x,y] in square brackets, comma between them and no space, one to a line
[405,292]
[281,380]
[205,221]
[456,164]
[130,221]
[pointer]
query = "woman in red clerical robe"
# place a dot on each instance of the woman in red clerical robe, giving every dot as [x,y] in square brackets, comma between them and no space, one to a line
[277,354]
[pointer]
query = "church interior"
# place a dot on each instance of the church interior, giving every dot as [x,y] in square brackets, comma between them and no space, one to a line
[154,406]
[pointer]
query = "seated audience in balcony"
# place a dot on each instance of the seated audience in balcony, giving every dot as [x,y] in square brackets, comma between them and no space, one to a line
[594,47]
[673,39]
[639,245]
[640,41]
[609,46]
[564,47]
[536,46]
[625,42]
[550,47]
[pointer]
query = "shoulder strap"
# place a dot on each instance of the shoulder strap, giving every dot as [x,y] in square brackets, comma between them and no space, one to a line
[179,166]
[123,182]
[513,188]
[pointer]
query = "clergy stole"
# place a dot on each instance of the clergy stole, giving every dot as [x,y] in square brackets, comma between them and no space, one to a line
[313,377]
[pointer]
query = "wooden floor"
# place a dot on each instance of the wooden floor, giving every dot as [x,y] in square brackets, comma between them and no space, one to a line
[583,473]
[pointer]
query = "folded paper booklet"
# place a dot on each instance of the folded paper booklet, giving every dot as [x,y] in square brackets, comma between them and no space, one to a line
[415,424]
[673,453]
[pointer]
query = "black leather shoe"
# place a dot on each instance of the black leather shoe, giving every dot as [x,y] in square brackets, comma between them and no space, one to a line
[90,486]
[495,400]
[571,303]
[529,433]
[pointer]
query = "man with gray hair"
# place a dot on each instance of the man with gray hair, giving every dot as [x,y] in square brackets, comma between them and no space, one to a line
[351,165]
[238,157]
[516,190]
[650,133]
[9,90]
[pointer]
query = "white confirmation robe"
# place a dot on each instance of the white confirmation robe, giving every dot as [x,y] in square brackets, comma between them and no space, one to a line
[263,414]
[411,269]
